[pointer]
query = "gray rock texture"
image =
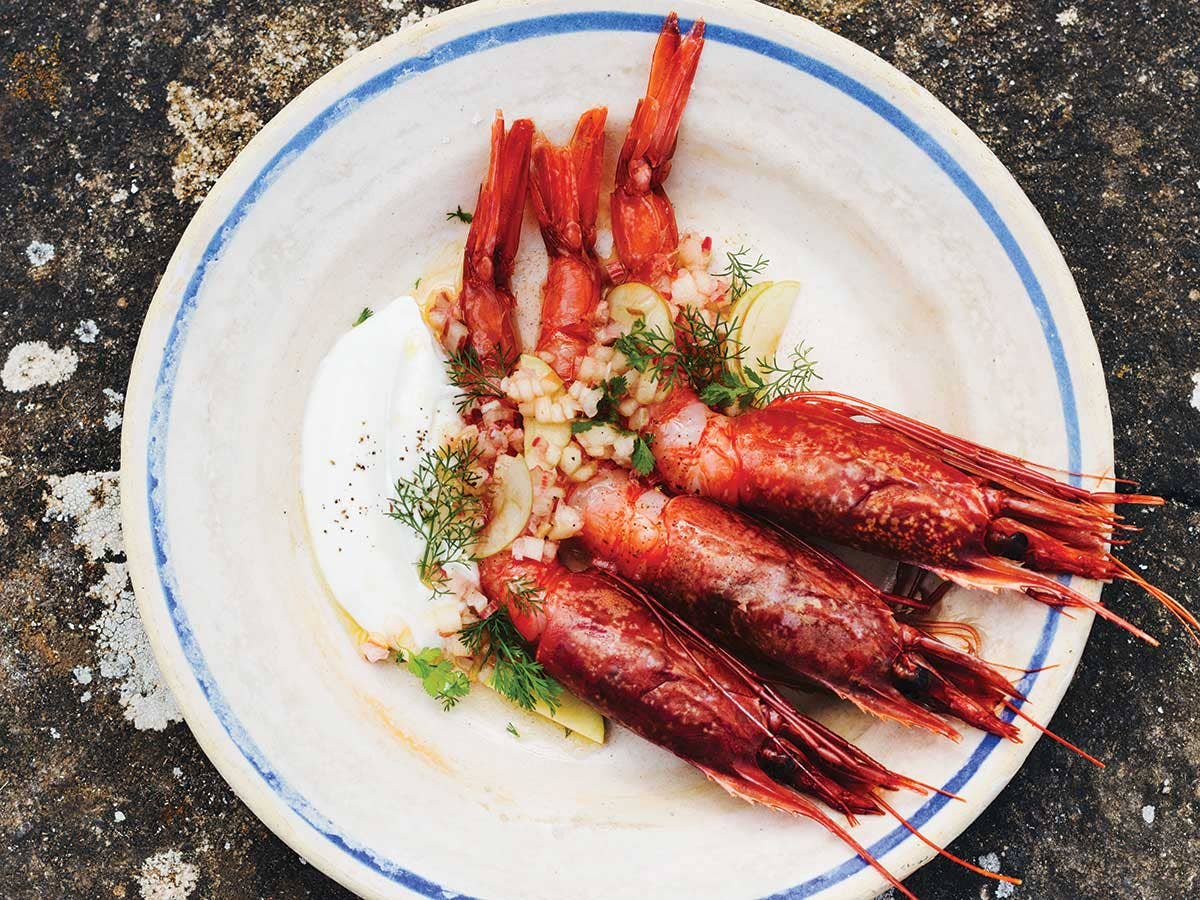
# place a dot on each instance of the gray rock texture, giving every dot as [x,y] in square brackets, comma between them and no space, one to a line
[116,117]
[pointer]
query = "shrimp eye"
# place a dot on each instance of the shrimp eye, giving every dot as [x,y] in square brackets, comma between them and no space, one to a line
[1012,546]
[915,683]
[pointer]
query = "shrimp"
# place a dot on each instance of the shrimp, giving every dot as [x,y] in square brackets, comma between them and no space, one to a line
[836,467]
[565,187]
[798,612]
[645,235]
[481,315]
[847,470]
[620,651]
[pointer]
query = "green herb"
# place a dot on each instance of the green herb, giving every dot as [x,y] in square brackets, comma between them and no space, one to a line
[516,675]
[697,354]
[512,729]
[758,385]
[461,214]
[611,392]
[607,413]
[475,378]
[441,680]
[567,732]
[740,270]
[441,507]
[416,284]
[643,457]
[363,316]
[525,595]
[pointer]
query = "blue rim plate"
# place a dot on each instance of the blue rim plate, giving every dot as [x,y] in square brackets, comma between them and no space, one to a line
[785,42]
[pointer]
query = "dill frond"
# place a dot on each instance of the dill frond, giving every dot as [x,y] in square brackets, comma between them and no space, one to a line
[516,675]
[439,503]
[476,379]
[524,594]
[740,270]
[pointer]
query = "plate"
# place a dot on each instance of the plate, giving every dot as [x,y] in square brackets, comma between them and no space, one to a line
[930,285]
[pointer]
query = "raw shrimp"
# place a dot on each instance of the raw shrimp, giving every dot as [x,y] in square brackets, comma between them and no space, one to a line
[799,613]
[629,658]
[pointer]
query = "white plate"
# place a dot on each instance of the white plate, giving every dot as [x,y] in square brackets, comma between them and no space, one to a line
[931,286]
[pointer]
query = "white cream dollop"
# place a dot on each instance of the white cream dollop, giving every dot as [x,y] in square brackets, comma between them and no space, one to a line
[380,398]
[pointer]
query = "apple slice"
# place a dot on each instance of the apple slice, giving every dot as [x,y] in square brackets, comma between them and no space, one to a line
[761,315]
[512,502]
[633,300]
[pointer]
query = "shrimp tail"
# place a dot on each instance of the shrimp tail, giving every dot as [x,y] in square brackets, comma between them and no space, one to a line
[485,304]
[645,233]
[655,128]
[565,185]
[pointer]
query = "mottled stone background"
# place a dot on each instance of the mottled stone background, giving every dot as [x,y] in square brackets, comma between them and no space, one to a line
[116,117]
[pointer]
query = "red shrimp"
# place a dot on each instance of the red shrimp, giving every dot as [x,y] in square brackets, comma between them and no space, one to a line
[627,656]
[799,613]
[485,304]
[643,221]
[565,187]
[832,466]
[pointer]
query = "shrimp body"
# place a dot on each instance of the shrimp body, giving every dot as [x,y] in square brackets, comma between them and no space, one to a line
[620,652]
[834,467]
[798,612]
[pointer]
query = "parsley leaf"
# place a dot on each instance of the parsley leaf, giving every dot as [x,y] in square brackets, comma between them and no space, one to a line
[461,214]
[441,680]
[643,457]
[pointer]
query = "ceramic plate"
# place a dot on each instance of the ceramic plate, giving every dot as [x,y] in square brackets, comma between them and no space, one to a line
[930,285]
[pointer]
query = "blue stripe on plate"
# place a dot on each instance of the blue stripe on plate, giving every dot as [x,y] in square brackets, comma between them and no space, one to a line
[458,48]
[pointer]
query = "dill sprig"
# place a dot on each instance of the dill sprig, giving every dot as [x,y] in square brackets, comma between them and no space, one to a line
[516,675]
[512,729]
[441,680]
[476,379]
[461,214]
[740,270]
[697,354]
[440,505]
[524,594]
[761,383]
[366,313]
[704,355]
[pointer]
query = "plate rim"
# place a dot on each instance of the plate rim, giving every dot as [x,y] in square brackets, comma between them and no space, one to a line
[343,862]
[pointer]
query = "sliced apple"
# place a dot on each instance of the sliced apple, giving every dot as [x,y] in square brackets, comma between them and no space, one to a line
[539,368]
[512,502]
[444,275]
[761,315]
[633,300]
[571,712]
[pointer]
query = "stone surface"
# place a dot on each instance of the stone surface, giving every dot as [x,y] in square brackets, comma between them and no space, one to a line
[114,120]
